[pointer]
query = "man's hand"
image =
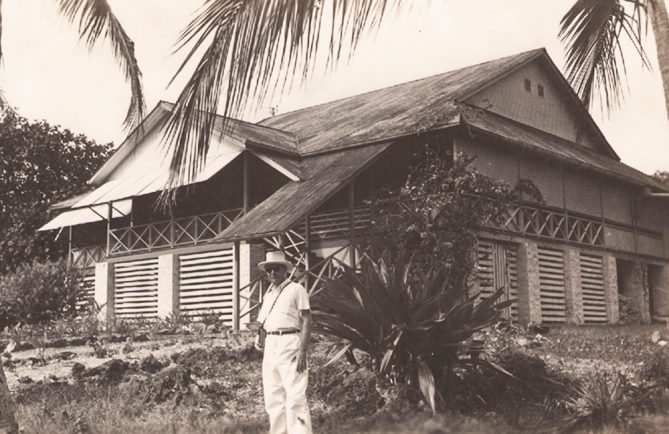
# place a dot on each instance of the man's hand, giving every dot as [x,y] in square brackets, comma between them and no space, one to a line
[301,361]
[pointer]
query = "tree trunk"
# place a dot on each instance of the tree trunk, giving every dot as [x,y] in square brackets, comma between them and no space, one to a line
[660,24]
[7,420]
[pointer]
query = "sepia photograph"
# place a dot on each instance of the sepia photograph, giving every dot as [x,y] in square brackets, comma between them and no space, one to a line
[334,216]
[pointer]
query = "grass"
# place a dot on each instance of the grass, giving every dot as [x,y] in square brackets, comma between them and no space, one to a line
[219,388]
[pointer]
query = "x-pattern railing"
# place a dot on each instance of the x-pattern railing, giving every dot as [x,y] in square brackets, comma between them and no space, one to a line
[171,233]
[84,257]
[552,224]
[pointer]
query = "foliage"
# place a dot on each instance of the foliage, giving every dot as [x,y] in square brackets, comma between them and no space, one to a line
[600,400]
[662,176]
[40,165]
[592,31]
[410,321]
[38,292]
[656,368]
[629,310]
[437,213]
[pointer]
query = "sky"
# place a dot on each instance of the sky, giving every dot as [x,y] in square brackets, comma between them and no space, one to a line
[47,73]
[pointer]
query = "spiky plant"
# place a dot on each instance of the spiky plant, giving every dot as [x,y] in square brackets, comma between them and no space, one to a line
[411,322]
[598,401]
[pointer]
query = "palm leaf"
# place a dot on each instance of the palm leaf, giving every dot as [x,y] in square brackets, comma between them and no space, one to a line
[592,31]
[251,50]
[96,19]
[426,384]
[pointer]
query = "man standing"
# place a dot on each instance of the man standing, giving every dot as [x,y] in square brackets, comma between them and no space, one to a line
[286,317]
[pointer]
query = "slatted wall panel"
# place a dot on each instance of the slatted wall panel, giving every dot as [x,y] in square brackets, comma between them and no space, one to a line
[206,283]
[87,290]
[497,267]
[552,285]
[136,288]
[592,286]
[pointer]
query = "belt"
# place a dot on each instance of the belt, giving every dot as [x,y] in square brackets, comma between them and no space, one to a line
[283,332]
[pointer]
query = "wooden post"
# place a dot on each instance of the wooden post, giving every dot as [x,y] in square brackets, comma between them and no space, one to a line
[245,183]
[235,289]
[307,248]
[69,246]
[351,218]
[172,240]
[109,217]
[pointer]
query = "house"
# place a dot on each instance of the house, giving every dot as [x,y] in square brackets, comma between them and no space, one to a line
[298,182]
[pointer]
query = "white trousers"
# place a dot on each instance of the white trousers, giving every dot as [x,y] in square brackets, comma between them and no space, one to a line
[285,389]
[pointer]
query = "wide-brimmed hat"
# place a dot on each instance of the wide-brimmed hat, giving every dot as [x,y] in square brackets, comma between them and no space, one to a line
[275,257]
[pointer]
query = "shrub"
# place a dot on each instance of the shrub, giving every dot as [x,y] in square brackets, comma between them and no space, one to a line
[629,310]
[38,292]
[410,322]
[600,400]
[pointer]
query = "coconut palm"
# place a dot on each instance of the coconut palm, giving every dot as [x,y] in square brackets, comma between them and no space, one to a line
[593,31]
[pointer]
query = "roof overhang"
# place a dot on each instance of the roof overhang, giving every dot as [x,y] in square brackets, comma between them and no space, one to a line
[89,214]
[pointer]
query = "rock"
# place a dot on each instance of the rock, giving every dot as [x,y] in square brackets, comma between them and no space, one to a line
[77,342]
[143,337]
[151,364]
[655,337]
[77,370]
[109,372]
[65,355]
[57,343]
[662,343]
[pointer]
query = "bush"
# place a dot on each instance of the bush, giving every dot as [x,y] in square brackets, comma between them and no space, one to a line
[629,310]
[38,292]
[411,323]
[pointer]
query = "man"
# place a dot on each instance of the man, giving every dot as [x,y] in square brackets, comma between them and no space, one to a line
[286,316]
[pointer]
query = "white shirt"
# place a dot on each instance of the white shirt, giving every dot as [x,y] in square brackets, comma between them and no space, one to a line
[286,311]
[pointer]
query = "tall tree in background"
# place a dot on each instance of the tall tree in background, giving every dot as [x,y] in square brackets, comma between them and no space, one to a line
[593,31]
[40,165]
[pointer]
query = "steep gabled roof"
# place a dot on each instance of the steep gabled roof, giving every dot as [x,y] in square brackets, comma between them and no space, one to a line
[244,132]
[410,108]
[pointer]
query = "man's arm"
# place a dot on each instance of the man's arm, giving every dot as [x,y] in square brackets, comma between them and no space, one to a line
[305,320]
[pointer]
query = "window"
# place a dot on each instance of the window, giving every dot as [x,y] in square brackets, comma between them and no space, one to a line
[540,90]
[528,85]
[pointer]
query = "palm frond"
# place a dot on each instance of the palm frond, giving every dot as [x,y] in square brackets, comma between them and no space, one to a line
[95,20]
[592,32]
[252,49]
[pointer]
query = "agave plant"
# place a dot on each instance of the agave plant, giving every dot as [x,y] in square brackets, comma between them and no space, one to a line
[411,322]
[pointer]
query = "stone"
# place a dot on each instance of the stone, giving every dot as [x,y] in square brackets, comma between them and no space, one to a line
[655,337]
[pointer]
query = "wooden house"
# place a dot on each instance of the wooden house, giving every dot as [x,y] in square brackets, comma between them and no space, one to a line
[299,182]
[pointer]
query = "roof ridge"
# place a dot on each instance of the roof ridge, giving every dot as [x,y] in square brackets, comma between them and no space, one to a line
[404,83]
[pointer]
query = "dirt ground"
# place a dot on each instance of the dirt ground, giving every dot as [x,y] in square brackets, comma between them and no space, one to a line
[210,383]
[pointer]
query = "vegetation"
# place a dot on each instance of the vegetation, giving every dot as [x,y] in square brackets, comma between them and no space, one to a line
[37,292]
[593,31]
[40,165]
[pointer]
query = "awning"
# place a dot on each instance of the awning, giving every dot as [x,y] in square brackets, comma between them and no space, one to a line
[88,215]
[150,182]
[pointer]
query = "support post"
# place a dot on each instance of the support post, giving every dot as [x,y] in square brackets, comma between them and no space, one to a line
[610,271]
[573,287]
[109,217]
[351,220]
[529,296]
[236,287]
[245,183]
[70,256]
[168,285]
[104,290]
[307,248]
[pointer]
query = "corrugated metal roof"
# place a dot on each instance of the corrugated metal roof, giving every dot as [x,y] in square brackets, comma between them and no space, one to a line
[91,214]
[556,147]
[404,109]
[146,182]
[291,203]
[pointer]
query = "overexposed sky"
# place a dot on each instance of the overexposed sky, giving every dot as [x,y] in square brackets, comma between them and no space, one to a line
[48,74]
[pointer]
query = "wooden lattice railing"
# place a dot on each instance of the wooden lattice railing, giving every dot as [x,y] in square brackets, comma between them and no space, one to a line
[552,224]
[84,257]
[171,233]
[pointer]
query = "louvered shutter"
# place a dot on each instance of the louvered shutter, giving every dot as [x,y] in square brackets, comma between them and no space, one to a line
[206,283]
[592,287]
[136,288]
[552,285]
[496,268]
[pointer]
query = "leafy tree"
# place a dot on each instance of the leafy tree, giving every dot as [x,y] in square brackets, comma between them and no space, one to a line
[593,31]
[662,176]
[437,213]
[41,164]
